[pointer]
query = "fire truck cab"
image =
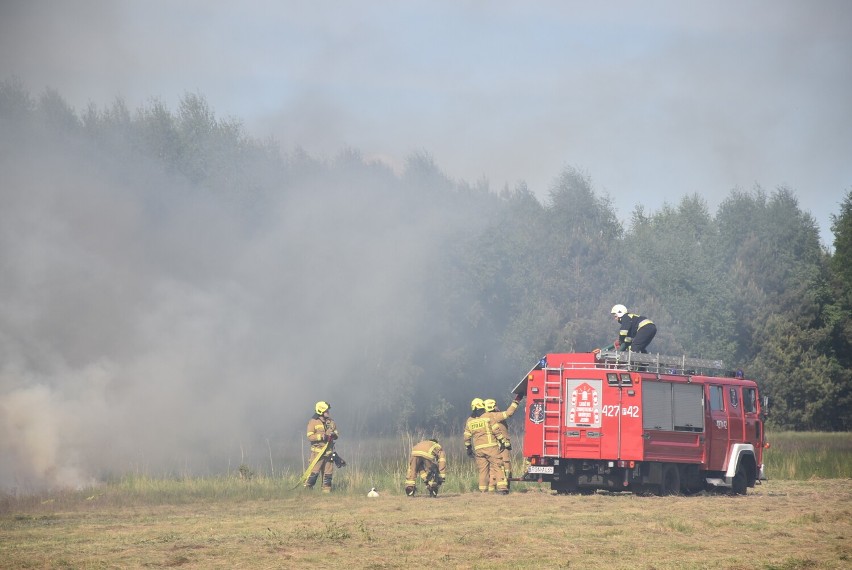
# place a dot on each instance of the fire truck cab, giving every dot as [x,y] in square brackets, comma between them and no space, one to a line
[645,423]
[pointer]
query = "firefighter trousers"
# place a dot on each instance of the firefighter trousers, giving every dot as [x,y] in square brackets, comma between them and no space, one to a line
[643,338]
[418,466]
[506,458]
[490,466]
[324,466]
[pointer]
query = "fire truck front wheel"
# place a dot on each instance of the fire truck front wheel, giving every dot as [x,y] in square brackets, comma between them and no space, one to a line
[739,484]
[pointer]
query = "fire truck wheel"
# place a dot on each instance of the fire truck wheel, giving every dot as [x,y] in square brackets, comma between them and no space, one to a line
[670,484]
[739,485]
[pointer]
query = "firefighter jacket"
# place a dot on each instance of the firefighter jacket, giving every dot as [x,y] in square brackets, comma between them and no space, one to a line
[498,423]
[498,416]
[630,325]
[434,452]
[319,428]
[479,431]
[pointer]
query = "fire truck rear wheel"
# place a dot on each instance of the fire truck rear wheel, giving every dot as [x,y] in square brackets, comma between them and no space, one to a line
[670,484]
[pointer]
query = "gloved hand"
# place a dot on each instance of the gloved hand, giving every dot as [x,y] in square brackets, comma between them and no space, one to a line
[507,445]
[501,445]
[469,451]
[333,436]
[441,479]
[519,397]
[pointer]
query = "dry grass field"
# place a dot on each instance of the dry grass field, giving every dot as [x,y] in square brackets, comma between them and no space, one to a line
[780,525]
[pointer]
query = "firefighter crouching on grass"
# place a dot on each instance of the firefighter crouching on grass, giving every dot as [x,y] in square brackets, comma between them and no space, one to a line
[483,445]
[322,432]
[430,462]
[492,411]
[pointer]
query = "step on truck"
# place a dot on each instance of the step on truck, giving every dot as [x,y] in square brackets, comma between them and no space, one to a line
[645,423]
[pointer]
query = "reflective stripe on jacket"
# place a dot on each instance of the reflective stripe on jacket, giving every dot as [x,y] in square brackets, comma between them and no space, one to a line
[319,427]
[630,325]
[432,451]
[479,432]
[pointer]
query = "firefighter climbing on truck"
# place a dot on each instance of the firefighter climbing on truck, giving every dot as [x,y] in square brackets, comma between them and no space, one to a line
[636,331]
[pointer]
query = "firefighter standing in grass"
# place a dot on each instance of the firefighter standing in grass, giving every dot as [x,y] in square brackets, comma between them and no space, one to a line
[430,462]
[636,331]
[492,411]
[322,432]
[483,445]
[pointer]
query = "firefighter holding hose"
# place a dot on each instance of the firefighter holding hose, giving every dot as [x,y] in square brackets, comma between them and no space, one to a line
[322,433]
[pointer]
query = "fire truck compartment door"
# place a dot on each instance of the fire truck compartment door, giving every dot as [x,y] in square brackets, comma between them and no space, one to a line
[673,421]
[583,415]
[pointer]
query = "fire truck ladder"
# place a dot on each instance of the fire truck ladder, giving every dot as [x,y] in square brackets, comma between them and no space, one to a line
[552,425]
[657,363]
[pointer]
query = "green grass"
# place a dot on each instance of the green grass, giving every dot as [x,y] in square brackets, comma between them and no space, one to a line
[383,463]
[802,456]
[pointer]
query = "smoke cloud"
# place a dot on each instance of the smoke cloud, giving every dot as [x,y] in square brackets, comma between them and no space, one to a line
[150,324]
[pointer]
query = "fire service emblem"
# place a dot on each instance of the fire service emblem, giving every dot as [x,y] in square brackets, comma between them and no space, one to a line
[537,411]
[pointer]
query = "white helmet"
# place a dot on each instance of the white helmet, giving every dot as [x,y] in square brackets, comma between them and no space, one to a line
[619,310]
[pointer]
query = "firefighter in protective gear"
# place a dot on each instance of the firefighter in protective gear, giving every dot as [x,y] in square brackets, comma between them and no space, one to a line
[483,445]
[477,408]
[492,411]
[322,433]
[636,331]
[430,462]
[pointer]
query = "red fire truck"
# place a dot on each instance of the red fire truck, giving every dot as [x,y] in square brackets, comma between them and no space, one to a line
[645,423]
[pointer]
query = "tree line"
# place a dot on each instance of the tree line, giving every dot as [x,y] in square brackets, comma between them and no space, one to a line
[501,277]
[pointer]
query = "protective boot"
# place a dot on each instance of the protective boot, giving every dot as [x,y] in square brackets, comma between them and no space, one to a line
[312,480]
[410,490]
[503,487]
[326,484]
[433,489]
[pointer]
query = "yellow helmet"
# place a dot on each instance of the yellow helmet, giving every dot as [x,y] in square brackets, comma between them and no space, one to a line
[490,405]
[476,404]
[322,407]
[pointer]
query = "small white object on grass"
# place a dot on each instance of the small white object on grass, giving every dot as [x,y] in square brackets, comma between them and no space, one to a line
[373,493]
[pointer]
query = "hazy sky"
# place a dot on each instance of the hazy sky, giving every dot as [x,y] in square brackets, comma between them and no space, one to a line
[652,99]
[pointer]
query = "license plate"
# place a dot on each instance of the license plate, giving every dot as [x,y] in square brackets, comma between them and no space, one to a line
[541,469]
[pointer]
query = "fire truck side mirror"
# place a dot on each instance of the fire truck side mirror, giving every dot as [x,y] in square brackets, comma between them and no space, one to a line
[765,407]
